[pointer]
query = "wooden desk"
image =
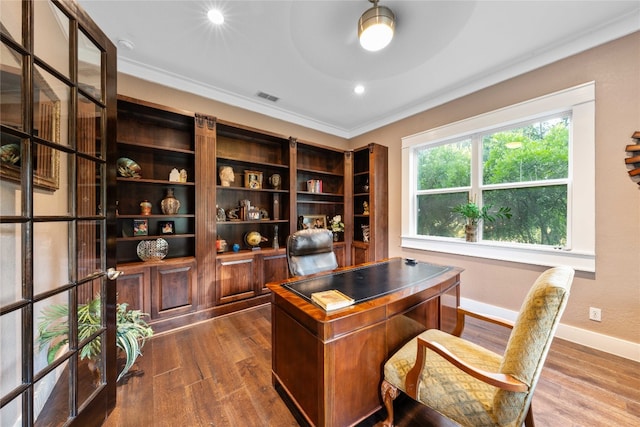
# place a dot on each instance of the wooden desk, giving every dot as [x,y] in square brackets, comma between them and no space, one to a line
[329,364]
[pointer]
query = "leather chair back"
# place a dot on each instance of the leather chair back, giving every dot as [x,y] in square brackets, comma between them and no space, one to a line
[310,251]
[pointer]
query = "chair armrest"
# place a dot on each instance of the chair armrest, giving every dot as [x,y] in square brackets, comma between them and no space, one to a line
[462,313]
[496,379]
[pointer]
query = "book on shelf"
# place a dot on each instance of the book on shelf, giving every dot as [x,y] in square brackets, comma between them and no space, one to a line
[331,299]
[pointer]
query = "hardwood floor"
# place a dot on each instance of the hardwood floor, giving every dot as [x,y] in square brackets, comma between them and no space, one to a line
[218,373]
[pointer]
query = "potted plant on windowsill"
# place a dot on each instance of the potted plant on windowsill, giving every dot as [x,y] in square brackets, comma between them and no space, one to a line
[132,331]
[474,214]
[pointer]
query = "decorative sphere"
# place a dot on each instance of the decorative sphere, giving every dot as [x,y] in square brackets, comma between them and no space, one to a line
[253,238]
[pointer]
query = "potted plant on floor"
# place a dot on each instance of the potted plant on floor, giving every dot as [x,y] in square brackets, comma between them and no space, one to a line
[132,331]
[474,214]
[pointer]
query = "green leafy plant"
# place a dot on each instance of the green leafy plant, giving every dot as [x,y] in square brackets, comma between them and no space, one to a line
[336,223]
[132,331]
[474,214]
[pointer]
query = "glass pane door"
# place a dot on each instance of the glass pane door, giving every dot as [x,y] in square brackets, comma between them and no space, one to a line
[57,339]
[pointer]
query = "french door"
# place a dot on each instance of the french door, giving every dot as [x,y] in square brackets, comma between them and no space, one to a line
[58,123]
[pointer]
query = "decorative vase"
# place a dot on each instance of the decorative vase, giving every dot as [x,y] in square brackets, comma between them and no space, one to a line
[145,207]
[471,232]
[170,205]
[276,243]
[221,245]
[336,236]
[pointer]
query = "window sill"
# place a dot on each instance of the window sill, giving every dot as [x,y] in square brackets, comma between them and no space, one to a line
[526,254]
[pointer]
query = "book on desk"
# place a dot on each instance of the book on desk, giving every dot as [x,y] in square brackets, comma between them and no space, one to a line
[331,299]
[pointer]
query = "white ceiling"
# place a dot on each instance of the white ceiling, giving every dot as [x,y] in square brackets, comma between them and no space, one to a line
[306,53]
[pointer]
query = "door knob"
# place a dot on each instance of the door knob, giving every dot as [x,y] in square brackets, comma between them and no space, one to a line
[113,274]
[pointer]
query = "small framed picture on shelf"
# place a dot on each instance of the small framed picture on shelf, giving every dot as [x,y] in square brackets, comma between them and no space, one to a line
[140,227]
[312,221]
[253,179]
[166,227]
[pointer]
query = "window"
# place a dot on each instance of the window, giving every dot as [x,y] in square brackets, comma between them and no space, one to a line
[537,158]
[524,168]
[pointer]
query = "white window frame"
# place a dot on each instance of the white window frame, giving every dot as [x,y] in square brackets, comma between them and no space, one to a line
[580,252]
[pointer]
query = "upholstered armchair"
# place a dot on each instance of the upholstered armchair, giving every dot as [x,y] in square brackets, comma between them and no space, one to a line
[474,386]
[310,251]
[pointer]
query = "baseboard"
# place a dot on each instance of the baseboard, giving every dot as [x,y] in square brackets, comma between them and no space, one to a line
[605,343]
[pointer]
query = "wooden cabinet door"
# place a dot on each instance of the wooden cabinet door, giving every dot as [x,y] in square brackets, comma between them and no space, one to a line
[275,269]
[173,288]
[359,253]
[236,278]
[133,287]
[340,252]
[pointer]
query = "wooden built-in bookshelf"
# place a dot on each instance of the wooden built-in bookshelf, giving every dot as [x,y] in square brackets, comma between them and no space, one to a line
[210,268]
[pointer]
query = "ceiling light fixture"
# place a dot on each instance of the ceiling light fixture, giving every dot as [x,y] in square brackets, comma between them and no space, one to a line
[359,89]
[376,27]
[215,16]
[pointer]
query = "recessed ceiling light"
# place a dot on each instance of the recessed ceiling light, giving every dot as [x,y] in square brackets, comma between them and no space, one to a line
[359,89]
[215,16]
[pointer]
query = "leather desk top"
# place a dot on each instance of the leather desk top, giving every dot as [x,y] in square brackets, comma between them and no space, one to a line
[369,281]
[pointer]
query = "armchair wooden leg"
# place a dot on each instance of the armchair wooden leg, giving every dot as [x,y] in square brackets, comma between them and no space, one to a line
[389,393]
[528,420]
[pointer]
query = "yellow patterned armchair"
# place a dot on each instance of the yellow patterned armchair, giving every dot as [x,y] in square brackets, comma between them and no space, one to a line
[472,385]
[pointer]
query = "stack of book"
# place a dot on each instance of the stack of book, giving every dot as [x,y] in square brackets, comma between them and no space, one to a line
[331,299]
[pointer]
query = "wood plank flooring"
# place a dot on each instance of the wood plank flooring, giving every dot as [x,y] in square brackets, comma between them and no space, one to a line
[218,373]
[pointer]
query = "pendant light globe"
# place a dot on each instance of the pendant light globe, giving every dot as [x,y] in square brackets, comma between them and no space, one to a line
[376,27]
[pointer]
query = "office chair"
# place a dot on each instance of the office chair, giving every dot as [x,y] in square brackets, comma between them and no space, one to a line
[310,251]
[474,386]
